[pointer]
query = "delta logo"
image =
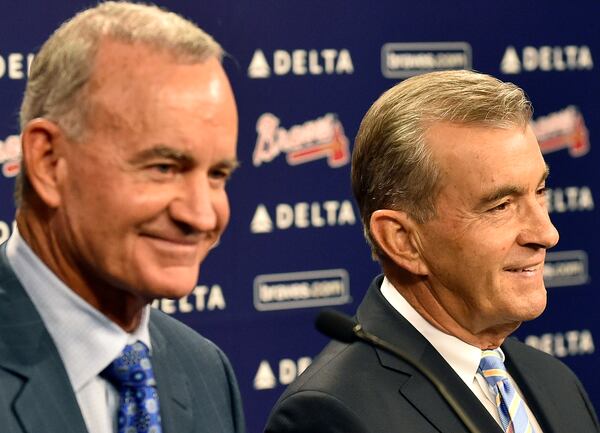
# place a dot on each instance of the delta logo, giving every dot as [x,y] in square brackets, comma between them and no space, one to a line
[303,215]
[10,155]
[316,139]
[328,61]
[563,129]
[287,370]
[546,59]
[15,66]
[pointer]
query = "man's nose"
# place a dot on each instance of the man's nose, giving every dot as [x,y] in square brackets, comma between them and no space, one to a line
[538,229]
[195,205]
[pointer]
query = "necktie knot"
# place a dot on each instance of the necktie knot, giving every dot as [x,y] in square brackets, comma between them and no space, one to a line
[131,373]
[492,367]
[511,408]
[131,368]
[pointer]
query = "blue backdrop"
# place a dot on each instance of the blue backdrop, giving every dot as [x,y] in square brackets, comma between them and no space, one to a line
[304,74]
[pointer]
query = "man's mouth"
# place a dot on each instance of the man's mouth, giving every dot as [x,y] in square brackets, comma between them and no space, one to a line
[524,269]
[177,240]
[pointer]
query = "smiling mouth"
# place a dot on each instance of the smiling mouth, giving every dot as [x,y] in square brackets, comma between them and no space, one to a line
[526,269]
[175,251]
[190,241]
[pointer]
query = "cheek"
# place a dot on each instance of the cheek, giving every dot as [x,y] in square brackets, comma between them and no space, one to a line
[471,260]
[494,247]
[142,199]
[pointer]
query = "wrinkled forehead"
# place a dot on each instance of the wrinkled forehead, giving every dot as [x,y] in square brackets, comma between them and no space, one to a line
[131,82]
[470,157]
[476,141]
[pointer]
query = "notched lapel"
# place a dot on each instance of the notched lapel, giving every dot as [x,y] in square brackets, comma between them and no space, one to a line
[536,391]
[45,402]
[427,400]
[43,398]
[173,388]
[380,318]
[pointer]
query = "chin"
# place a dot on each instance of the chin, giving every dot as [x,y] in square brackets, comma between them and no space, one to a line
[529,302]
[532,310]
[171,285]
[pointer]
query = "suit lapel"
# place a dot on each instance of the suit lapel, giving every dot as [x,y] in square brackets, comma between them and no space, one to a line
[41,392]
[535,389]
[173,388]
[44,403]
[381,319]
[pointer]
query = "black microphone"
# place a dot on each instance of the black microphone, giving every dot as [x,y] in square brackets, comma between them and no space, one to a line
[343,328]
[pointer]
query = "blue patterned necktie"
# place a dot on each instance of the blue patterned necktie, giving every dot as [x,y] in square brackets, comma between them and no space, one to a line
[131,373]
[511,406]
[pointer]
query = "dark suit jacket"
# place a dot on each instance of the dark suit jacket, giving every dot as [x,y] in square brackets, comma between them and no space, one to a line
[196,385]
[357,388]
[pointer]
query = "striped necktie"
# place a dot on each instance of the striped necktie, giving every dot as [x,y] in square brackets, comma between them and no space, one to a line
[511,406]
[131,373]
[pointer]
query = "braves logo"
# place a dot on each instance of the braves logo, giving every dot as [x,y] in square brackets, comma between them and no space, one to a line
[10,155]
[320,138]
[564,129]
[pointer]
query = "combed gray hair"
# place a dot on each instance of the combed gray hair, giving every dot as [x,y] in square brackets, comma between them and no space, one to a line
[56,89]
[392,166]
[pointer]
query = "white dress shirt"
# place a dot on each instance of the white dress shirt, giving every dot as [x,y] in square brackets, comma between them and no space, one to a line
[87,341]
[462,357]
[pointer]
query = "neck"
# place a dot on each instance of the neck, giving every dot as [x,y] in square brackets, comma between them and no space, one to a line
[35,227]
[449,317]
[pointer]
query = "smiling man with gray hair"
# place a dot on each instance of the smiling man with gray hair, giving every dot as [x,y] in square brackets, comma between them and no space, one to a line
[450,182]
[129,131]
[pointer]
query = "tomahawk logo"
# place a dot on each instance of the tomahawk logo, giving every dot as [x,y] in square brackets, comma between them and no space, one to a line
[564,129]
[320,138]
[10,155]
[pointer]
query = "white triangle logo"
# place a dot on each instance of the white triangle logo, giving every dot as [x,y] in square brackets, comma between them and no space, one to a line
[264,378]
[261,221]
[259,68]
[510,63]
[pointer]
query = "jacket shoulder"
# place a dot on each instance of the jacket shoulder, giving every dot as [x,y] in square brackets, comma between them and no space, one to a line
[191,348]
[334,394]
[539,370]
[207,369]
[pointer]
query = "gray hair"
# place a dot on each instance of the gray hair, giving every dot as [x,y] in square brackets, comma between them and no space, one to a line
[392,166]
[56,89]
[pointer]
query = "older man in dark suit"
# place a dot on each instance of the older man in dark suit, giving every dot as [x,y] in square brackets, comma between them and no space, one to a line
[450,182]
[129,130]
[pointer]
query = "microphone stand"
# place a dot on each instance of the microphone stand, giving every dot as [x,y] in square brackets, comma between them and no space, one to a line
[445,393]
[341,327]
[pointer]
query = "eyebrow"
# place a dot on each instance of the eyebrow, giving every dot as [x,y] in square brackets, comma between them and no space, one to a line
[163,151]
[507,190]
[167,152]
[231,164]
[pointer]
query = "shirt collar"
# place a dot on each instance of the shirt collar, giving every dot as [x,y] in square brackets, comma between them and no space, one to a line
[462,357]
[87,340]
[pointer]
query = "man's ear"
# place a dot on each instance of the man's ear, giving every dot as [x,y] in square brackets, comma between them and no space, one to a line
[42,140]
[395,234]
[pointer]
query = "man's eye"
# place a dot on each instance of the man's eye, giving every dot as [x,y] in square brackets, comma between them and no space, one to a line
[541,191]
[164,168]
[502,206]
[220,174]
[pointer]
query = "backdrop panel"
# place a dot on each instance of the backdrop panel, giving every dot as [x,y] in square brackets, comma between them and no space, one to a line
[304,74]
